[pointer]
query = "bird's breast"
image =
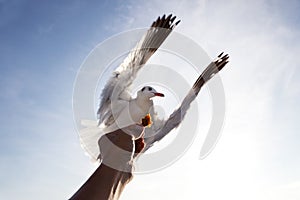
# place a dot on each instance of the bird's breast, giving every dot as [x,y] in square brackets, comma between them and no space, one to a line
[132,113]
[138,111]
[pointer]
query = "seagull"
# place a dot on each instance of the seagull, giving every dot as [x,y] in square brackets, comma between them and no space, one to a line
[118,109]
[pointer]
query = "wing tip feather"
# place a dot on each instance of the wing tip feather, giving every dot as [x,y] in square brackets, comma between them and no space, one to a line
[166,22]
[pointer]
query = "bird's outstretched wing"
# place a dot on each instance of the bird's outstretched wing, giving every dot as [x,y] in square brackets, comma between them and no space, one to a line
[117,86]
[177,116]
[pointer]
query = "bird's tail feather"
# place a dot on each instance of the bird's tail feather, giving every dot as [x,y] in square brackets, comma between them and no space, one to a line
[89,136]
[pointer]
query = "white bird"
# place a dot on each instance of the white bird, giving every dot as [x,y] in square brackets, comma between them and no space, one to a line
[118,109]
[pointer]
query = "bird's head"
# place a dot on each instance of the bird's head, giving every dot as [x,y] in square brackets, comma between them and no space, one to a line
[149,92]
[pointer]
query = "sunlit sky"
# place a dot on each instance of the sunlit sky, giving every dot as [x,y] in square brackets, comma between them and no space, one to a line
[43,44]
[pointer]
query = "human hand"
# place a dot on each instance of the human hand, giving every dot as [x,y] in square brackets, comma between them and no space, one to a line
[120,147]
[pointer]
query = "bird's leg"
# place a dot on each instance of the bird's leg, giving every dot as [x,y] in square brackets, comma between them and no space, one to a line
[140,143]
[146,121]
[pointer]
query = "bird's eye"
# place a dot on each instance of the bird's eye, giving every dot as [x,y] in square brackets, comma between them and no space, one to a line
[150,88]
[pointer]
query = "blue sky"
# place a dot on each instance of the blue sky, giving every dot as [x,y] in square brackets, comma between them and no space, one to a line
[43,43]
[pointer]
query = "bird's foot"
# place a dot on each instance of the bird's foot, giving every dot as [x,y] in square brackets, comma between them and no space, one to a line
[146,121]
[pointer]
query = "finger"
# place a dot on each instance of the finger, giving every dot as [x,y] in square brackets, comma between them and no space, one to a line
[135,130]
[139,145]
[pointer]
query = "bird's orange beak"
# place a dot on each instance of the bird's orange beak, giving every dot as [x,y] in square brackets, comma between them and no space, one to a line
[159,94]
